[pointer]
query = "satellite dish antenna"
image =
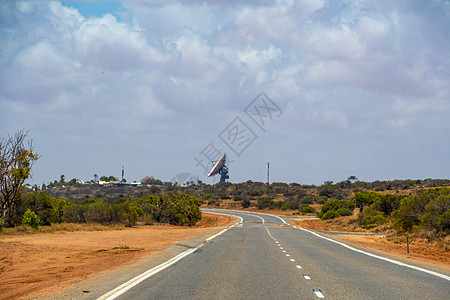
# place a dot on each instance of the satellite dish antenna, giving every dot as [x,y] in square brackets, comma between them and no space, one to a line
[220,168]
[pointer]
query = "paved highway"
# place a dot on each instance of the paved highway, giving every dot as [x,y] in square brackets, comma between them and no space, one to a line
[264,258]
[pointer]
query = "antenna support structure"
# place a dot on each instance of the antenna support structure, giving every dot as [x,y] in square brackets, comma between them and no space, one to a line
[220,168]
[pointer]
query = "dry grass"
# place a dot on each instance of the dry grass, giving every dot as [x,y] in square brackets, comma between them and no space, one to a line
[68,227]
[71,252]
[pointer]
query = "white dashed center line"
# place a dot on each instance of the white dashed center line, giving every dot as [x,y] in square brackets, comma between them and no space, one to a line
[318,293]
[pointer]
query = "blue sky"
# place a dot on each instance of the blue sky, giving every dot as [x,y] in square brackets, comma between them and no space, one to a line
[353,87]
[95,8]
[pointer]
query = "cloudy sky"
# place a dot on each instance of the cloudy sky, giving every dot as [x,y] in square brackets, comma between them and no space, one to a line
[350,87]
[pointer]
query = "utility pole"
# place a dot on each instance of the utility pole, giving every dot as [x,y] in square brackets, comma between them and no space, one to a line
[268,173]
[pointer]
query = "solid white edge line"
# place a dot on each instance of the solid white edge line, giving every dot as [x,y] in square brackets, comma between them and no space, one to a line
[380,257]
[113,294]
[255,213]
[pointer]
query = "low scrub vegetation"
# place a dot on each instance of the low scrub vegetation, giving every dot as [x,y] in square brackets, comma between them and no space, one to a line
[418,206]
[334,208]
[39,208]
[426,213]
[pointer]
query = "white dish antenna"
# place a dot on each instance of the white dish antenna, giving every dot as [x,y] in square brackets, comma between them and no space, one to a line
[218,165]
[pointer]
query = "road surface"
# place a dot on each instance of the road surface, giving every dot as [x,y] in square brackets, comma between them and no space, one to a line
[264,258]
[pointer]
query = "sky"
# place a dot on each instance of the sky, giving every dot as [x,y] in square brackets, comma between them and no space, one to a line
[319,89]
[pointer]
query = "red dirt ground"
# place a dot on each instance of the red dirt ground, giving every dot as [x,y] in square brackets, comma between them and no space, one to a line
[43,263]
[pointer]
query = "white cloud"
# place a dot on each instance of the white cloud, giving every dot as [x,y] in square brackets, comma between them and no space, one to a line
[337,44]
[42,59]
[169,72]
[110,45]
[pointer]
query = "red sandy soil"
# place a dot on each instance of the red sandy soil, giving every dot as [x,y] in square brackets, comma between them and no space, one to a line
[35,264]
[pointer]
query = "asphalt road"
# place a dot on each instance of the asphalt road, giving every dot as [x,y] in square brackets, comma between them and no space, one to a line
[263,258]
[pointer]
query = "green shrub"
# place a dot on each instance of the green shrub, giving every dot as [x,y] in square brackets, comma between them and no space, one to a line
[309,199]
[370,226]
[246,202]
[334,204]
[30,219]
[265,202]
[285,206]
[322,200]
[365,198]
[307,210]
[374,220]
[344,212]
[1,225]
[331,214]
[444,222]
[433,210]
[420,210]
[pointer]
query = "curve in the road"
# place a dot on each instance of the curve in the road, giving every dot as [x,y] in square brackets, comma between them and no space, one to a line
[140,278]
[301,251]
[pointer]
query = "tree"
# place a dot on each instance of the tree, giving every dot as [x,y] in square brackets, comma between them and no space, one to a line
[30,219]
[112,178]
[16,161]
[62,181]
[147,180]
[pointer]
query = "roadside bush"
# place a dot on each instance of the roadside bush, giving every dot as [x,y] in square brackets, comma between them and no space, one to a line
[98,212]
[444,222]
[365,198]
[264,202]
[331,214]
[308,199]
[370,220]
[334,204]
[322,200]
[291,203]
[331,191]
[246,202]
[238,197]
[434,217]
[38,202]
[1,225]
[422,210]
[75,213]
[344,212]
[57,213]
[30,219]
[285,206]
[307,210]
